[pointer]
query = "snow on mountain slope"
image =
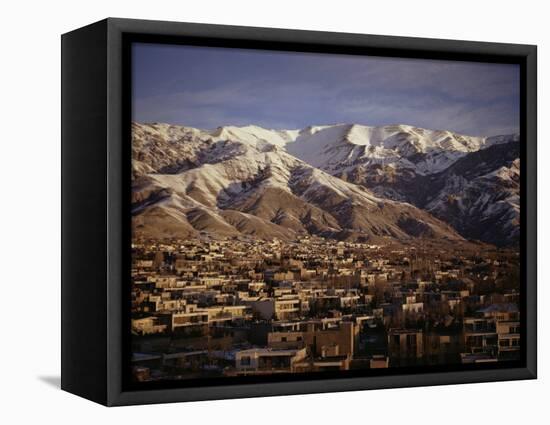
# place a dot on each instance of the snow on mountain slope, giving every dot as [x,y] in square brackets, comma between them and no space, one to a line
[229,182]
[314,180]
[414,165]
[332,148]
[164,148]
[254,134]
[480,195]
[339,147]
[167,149]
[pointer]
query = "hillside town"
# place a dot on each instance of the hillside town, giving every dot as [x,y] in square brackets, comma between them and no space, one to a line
[241,306]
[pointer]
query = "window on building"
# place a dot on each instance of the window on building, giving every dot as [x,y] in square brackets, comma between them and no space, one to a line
[245,361]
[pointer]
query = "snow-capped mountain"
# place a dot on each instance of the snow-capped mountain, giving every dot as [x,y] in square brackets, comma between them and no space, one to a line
[341,148]
[344,181]
[479,195]
[242,181]
[469,182]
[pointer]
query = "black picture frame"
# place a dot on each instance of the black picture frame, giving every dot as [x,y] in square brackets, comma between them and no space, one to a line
[96,190]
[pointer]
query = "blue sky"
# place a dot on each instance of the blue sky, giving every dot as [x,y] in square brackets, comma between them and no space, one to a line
[207,87]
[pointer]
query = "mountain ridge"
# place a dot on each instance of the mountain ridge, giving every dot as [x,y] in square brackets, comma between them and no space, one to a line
[230,181]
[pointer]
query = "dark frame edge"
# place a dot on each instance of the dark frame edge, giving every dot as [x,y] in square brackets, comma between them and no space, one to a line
[236,32]
[530,53]
[83,189]
[225,392]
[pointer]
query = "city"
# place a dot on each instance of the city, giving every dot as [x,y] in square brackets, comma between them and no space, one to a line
[241,306]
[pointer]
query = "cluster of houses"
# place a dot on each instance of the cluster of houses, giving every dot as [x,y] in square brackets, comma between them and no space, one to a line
[204,308]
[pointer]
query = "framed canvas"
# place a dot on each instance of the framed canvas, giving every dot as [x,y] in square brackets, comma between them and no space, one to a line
[253,212]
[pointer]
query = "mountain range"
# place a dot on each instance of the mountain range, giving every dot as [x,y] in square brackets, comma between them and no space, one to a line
[343,181]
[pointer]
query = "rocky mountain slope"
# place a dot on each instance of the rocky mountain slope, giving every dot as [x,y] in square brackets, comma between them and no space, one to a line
[243,181]
[471,183]
[479,195]
[342,181]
